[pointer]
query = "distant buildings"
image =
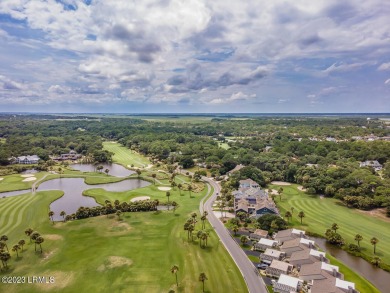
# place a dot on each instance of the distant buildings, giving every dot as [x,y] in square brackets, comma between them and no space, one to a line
[34,159]
[72,155]
[252,200]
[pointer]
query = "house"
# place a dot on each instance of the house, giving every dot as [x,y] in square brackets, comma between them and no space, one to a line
[298,244]
[258,234]
[264,243]
[287,284]
[277,267]
[72,155]
[34,159]
[307,256]
[252,200]
[319,271]
[289,234]
[333,285]
[235,169]
[270,254]
[373,164]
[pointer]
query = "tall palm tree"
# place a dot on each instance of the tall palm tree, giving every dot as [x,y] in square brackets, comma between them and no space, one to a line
[335,226]
[4,238]
[138,173]
[301,214]
[358,238]
[374,241]
[107,171]
[63,214]
[179,186]
[202,278]
[168,194]
[174,270]
[191,229]
[190,189]
[51,214]
[203,219]
[199,236]
[39,241]
[193,216]
[118,213]
[34,237]
[21,243]
[4,257]
[280,191]
[235,229]
[288,215]
[15,248]
[28,232]
[154,178]
[376,261]
[244,239]
[205,235]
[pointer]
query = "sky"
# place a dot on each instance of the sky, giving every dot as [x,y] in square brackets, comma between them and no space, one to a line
[189,56]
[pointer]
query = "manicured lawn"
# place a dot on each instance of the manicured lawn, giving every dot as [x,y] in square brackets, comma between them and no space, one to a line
[125,156]
[15,182]
[104,254]
[320,214]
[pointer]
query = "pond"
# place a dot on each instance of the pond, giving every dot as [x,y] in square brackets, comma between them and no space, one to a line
[73,189]
[115,169]
[13,193]
[378,277]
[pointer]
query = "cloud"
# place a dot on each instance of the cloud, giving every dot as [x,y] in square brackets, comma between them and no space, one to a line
[342,67]
[235,97]
[387,81]
[384,66]
[9,84]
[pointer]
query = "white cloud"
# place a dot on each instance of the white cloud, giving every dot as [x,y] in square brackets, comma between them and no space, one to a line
[384,66]
[342,67]
[387,81]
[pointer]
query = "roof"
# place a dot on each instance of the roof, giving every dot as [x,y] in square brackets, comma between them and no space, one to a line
[283,233]
[248,181]
[307,241]
[344,284]
[272,252]
[280,265]
[261,232]
[267,242]
[316,253]
[291,243]
[328,267]
[298,255]
[310,269]
[33,157]
[296,231]
[288,281]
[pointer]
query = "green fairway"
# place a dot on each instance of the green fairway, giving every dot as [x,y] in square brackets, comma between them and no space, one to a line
[17,182]
[133,254]
[320,214]
[125,156]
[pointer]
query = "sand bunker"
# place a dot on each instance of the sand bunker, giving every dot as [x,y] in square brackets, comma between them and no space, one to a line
[1,179]
[27,175]
[114,262]
[139,198]
[52,237]
[29,179]
[164,188]
[280,183]
[301,188]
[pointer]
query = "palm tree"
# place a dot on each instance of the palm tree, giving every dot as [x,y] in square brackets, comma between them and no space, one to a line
[51,214]
[203,219]
[179,186]
[202,278]
[280,191]
[205,235]
[301,214]
[107,171]
[4,238]
[4,257]
[374,241]
[168,194]
[292,210]
[358,238]
[138,173]
[154,178]
[193,216]
[199,236]
[63,214]
[118,213]
[191,229]
[60,171]
[288,215]
[174,270]
[15,248]
[29,232]
[39,241]
[376,261]
[235,229]
[244,239]
[34,237]
[21,243]
[190,189]
[335,226]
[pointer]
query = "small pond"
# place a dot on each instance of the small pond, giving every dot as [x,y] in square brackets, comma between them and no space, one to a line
[115,169]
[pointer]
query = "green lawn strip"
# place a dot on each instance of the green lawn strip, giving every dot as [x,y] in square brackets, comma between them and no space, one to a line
[253,258]
[15,182]
[320,214]
[125,156]
[362,285]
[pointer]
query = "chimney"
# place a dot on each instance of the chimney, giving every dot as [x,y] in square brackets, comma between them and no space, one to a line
[334,273]
[350,289]
[321,257]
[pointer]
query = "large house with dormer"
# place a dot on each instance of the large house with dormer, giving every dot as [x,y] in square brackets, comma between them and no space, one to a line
[252,200]
[34,159]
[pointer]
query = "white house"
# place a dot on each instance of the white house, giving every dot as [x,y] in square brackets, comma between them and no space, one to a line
[287,284]
[264,243]
[34,159]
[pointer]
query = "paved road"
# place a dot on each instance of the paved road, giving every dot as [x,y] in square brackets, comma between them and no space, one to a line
[254,282]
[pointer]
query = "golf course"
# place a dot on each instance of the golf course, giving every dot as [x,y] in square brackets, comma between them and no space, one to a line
[133,252]
[321,213]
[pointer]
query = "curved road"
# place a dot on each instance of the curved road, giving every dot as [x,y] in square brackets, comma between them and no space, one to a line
[254,282]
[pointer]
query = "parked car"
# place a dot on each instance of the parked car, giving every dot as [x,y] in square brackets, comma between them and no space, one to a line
[262,266]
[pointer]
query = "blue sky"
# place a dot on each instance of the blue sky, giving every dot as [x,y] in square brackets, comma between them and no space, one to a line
[188,56]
